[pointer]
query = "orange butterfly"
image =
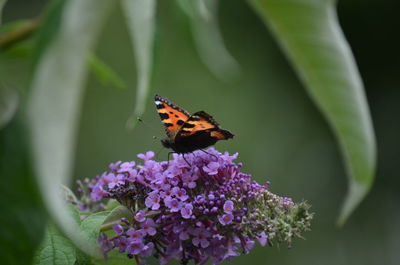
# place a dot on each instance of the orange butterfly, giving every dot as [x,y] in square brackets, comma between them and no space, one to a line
[187,133]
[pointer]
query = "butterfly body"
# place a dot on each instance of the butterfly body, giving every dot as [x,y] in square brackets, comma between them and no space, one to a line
[187,133]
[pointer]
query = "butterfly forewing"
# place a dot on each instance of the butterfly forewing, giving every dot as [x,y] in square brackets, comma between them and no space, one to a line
[171,115]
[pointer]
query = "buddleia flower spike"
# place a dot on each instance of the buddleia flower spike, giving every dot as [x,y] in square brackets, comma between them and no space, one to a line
[209,211]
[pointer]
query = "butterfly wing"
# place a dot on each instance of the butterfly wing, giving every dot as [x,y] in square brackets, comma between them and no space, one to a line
[198,132]
[200,121]
[172,116]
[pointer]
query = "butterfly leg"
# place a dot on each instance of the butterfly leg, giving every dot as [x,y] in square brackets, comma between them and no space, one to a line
[169,153]
[184,158]
[204,151]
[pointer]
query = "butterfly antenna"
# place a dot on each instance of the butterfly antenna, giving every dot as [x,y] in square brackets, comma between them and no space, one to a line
[159,151]
[148,127]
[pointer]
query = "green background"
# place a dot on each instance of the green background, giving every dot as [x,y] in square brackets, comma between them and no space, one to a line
[279,133]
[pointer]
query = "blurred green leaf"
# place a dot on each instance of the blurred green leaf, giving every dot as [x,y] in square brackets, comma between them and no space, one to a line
[104,73]
[55,100]
[23,50]
[49,28]
[2,3]
[16,32]
[8,104]
[22,218]
[310,35]
[208,39]
[10,26]
[141,21]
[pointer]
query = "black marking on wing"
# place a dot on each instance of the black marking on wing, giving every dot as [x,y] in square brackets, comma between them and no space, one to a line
[188,125]
[164,116]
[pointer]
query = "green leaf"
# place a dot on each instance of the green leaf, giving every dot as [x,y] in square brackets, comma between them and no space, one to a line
[82,258]
[104,73]
[310,35]
[94,223]
[140,18]
[208,39]
[2,3]
[49,29]
[55,101]
[69,195]
[11,26]
[115,216]
[23,50]
[91,225]
[91,228]
[111,204]
[17,32]
[23,217]
[55,249]
[8,104]
[74,213]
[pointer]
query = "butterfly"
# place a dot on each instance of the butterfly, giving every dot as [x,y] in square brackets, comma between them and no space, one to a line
[187,133]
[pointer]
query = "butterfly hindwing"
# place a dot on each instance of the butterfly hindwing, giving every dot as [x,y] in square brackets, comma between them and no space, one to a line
[200,121]
[172,116]
[200,131]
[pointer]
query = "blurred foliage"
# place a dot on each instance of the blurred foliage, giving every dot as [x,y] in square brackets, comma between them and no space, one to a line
[104,73]
[311,37]
[54,102]
[203,20]
[22,215]
[280,135]
[140,18]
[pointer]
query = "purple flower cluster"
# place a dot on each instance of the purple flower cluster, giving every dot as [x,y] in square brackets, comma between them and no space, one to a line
[195,207]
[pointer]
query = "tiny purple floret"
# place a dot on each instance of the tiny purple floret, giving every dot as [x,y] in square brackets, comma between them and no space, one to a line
[140,216]
[135,235]
[228,206]
[149,155]
[148,227]
[225,219]
[134,248]
[186,211]
[118,229]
